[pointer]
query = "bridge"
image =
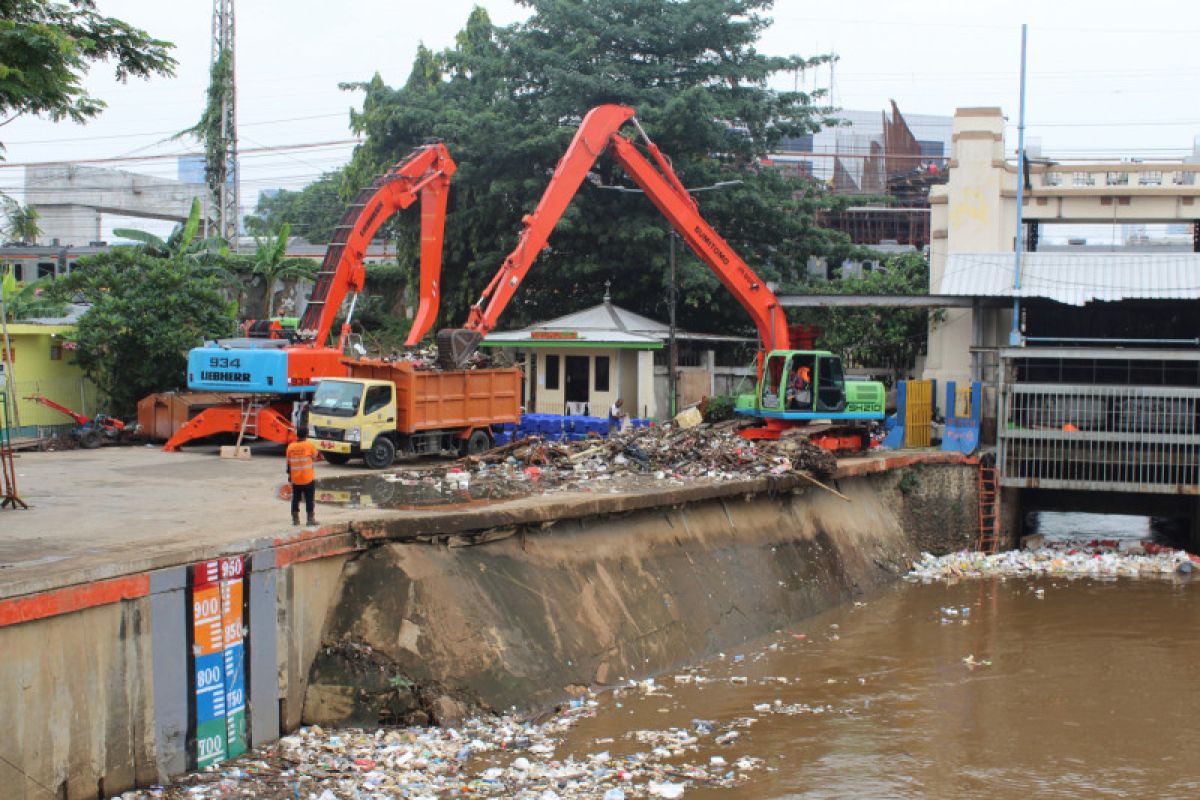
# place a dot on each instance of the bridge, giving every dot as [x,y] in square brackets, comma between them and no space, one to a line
[71,199]
[1096,404]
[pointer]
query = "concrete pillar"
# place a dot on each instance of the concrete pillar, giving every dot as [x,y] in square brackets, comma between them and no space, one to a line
[1012,518]
[973,212]
[647,405]
[1195,526]
[72,225]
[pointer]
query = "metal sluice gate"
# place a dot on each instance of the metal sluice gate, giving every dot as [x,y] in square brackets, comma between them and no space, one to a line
[1100,437]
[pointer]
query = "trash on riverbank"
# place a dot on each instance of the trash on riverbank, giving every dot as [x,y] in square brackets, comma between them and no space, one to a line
[1099,561]
[626,461]
[484,757]
[667,452]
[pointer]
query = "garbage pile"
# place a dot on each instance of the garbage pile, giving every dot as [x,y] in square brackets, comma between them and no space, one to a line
[1070,561]
[665,453]
[486,757]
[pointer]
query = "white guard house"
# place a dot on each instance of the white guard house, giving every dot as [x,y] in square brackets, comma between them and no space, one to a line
[582,362]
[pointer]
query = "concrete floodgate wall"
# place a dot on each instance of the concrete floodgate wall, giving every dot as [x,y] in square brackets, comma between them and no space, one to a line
[97,686]
[425,633]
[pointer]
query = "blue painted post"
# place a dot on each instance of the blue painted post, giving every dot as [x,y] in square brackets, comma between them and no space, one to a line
[895,437]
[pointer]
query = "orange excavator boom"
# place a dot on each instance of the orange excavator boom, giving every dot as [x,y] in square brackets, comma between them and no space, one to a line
[600,131]
[269,378]
[424,174]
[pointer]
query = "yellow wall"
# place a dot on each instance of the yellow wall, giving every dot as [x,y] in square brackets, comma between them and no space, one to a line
[34,372]
[622,380]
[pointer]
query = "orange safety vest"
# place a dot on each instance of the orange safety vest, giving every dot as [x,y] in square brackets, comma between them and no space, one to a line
[300,457]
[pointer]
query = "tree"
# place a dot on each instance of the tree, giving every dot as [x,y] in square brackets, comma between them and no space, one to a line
[891,338]
[47,47]
[21,222]
[146,313]
[311,212]
[508,100]
[271,264]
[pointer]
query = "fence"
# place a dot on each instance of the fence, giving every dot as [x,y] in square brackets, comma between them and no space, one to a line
[1100,438]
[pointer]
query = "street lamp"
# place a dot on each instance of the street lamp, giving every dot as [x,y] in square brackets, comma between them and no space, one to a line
[672,289]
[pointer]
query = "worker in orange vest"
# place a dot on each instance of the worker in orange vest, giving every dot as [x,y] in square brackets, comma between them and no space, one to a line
[301,455]
[800,394]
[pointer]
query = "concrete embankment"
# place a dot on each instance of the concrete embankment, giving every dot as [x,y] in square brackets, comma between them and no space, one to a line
[390,617]
[417,632]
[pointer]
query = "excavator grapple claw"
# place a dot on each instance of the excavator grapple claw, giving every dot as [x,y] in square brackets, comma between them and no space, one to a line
[455,346]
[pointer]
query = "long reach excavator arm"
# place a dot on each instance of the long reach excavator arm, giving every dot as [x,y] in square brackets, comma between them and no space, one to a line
[426,174]
[600,131]
[268,376]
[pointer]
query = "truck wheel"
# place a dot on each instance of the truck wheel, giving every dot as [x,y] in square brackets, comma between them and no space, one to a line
[476,443]
[382,453]
[337,459]
[91,438]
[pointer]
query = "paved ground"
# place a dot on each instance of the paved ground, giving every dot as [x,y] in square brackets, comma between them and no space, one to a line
[118,509]
[97,514]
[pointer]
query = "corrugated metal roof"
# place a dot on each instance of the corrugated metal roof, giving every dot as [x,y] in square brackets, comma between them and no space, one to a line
[1075,278]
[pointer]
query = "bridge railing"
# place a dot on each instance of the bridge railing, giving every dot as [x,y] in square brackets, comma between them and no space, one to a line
[1098,438]
[1086,177]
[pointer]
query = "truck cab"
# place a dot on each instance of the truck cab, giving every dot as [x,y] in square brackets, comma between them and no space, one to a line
[353,417]
[810,385]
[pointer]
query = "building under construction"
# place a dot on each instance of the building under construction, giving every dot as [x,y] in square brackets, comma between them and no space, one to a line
[887,160]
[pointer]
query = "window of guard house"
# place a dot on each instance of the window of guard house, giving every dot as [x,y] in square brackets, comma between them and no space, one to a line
[551,372]
[377,398]
[600,383]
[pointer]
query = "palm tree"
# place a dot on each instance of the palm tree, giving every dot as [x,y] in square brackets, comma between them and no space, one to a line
[272,265]
[21,222]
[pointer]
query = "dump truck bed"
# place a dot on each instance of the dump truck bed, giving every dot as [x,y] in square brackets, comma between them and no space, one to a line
[438,399]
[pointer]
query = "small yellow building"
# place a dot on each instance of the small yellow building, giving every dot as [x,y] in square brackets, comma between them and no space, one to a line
[581,363]
[42,364]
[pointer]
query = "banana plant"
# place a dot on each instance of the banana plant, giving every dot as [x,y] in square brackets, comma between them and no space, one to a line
[272,264]
[181,244]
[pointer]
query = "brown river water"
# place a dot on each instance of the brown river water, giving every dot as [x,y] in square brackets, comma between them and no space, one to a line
[1086,690]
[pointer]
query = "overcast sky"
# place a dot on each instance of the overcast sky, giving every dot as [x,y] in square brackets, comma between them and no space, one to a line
[1105,77]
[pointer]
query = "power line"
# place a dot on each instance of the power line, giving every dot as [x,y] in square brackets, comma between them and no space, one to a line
[10,142]
[165,156]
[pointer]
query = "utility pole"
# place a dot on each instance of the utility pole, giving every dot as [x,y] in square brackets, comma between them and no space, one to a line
[1014,335]
[673,355]
[673,288]
[223,178]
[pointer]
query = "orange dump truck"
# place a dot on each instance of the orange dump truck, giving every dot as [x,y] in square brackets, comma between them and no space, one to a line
[385,408]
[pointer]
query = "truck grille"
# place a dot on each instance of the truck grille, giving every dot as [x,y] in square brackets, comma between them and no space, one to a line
[331,434]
